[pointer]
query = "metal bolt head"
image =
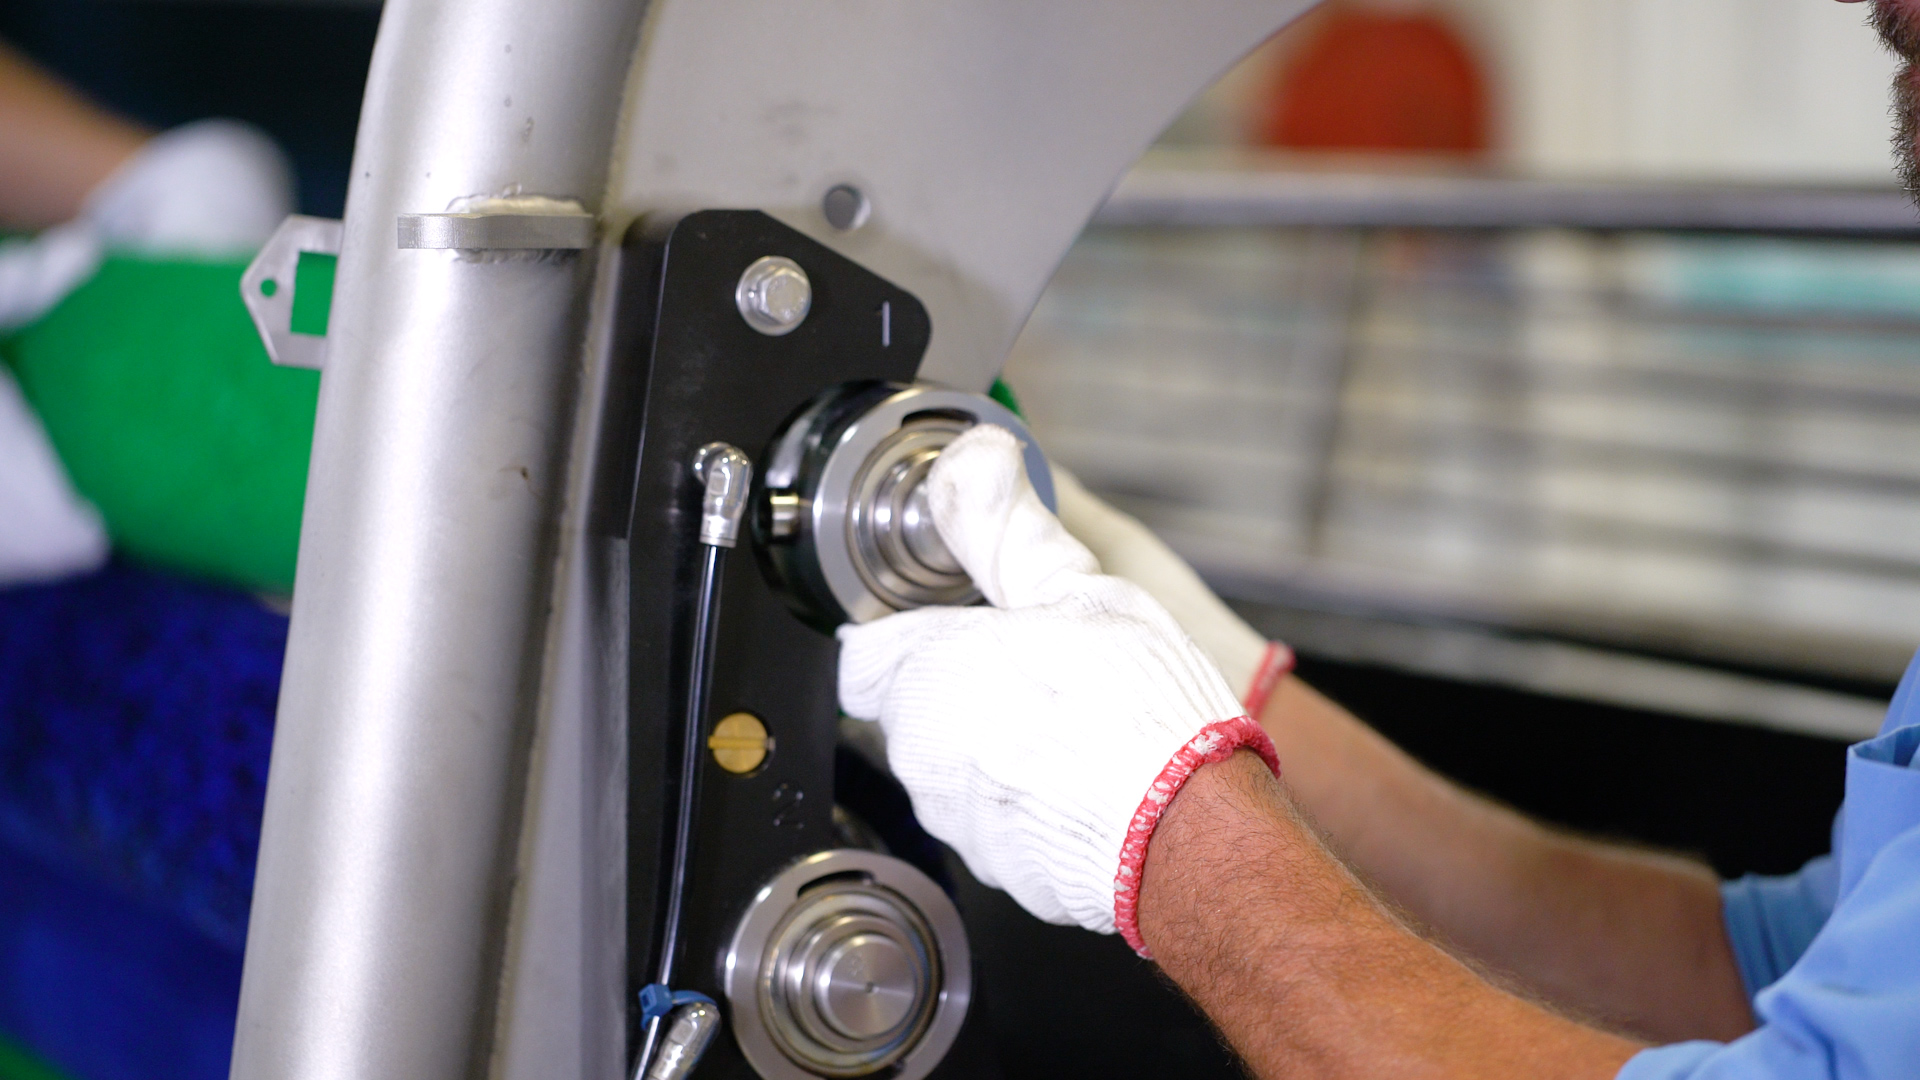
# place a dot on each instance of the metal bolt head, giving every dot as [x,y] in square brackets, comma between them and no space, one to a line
[774,295]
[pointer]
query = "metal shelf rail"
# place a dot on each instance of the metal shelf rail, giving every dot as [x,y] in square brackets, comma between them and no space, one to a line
[1165,192]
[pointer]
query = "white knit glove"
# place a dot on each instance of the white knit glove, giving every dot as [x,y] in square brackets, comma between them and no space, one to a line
[47,531]
[216,188]
[37,272]
[1042,737]
[209,189]
[1127,549]
[212,189]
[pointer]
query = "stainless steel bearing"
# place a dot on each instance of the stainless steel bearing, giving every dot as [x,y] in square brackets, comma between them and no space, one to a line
[844,522]
[846,964]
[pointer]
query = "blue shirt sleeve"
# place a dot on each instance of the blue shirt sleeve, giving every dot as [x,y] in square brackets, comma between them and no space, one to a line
[1849,1007]
[1849,1010]
[1772,920]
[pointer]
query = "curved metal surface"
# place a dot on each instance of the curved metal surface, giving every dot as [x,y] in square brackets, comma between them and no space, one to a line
[428,541]
[982,133]
[896,548]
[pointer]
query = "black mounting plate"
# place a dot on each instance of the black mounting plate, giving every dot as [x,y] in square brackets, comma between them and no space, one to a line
[700,373]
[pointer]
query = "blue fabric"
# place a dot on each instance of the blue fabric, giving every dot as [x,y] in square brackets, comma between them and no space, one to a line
[136,715]
[106,987]
[1772,920]
[1883,801]
[1847,1006]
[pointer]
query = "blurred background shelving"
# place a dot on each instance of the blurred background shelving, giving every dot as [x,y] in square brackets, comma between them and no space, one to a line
[1700,445]
[1562,346]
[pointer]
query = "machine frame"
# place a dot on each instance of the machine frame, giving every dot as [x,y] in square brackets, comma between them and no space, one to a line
[440,888]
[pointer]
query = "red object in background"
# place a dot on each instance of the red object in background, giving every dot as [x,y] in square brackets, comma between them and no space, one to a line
[1379,80]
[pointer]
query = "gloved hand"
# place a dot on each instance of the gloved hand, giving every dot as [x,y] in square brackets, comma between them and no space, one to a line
[1127,549]
[214,189]
[1042,737]
[47,531]
[211,189]
[38,272]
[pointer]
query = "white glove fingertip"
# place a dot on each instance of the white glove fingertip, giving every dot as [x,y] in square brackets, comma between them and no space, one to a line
[36,274]
[993,522]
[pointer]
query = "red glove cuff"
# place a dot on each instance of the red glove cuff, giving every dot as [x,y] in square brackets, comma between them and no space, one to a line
[1275,663]
[1214,743]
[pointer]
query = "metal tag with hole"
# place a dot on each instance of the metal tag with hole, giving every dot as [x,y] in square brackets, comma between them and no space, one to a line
[269,289]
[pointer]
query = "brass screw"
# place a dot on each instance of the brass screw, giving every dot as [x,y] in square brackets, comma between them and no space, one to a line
[739,743]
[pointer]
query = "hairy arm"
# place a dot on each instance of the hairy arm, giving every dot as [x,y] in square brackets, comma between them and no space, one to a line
[55,147]
[1306,974]
[1633,939]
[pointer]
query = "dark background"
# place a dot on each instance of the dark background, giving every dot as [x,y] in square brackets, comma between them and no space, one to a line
[295,69]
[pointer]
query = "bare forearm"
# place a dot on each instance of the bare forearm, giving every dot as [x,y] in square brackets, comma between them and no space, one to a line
[1306,974]
[55,147]
[1633,938]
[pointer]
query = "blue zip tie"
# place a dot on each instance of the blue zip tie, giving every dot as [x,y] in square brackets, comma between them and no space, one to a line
[657,1000]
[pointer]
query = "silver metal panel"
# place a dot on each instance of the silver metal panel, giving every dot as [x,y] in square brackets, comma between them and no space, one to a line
[424,585]
[563,1000]
[983,133]
[564,995]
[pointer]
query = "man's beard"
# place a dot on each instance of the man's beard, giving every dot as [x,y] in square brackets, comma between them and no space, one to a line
[1901,32]
[1906,129]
